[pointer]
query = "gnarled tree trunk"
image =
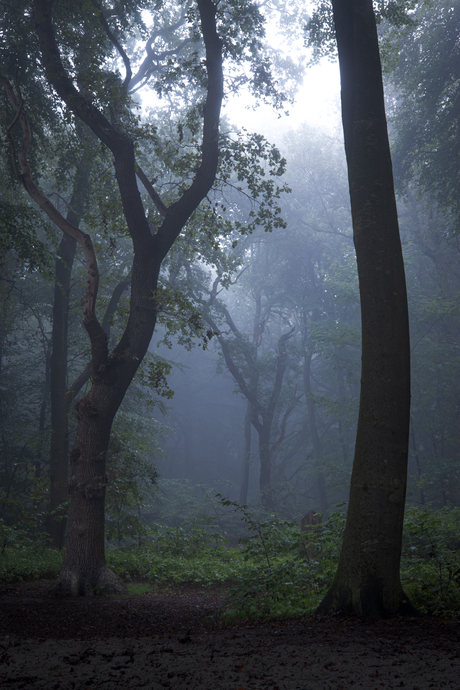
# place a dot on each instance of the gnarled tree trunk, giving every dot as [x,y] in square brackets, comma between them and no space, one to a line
[84,569]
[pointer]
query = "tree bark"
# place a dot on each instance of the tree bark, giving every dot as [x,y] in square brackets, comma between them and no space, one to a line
[84,570]
[316,441]
[367,581]
[246,455]
[59,446]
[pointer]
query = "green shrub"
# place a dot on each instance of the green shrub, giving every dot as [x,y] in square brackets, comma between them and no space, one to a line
[281,581]
[29,562]
[201,537]
[147,563]
[268,574]
[430,566]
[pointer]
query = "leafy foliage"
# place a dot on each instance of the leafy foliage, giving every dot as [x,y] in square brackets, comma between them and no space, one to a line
[24,562]
[426,109]
[320,30]
[268,575]
[430,563]
[20,239]
[282,581]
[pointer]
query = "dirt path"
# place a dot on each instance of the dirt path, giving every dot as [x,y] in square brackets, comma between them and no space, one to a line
[173,640]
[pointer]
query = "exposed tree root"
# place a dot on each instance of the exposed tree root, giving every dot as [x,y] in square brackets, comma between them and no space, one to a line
[73,584]
[370,601]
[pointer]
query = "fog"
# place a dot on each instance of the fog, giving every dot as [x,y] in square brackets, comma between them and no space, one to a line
[253,385]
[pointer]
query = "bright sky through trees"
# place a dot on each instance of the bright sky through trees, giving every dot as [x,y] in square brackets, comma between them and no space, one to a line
[317,103]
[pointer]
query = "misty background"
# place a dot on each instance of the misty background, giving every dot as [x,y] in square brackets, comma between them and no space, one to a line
[256,359]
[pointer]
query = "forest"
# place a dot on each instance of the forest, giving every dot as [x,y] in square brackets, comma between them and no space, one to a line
[204,333]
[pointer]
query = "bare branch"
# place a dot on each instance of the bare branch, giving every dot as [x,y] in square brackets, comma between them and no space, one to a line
[214,292]
[153,194]
[113,39]
[280,371]
[284,421]
[145,69]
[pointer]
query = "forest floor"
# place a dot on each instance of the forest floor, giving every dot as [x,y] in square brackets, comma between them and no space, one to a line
[174,639]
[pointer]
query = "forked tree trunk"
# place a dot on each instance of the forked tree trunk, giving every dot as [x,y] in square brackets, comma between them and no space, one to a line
[84,570]
[367,581]
[61,396]
[262,416]
[264,428]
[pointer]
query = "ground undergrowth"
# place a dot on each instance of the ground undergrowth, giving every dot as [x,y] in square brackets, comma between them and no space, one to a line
[267,574]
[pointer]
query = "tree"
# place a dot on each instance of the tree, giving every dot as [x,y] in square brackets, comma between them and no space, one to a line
[367,580]
[259,378]
[24,383]
[288,279]
[427,105]
[100,100]
[433,273]
[423,75]
[251,373]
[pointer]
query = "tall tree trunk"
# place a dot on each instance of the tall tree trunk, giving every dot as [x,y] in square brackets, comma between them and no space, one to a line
[264,429]
[316,441]
[367,581]
[254,381]
[265,462]
[62,396]
[59,398]
[246,455]
[341,391]
[42,415]
[84,570]
[262,415]
[59,447]
[416,458]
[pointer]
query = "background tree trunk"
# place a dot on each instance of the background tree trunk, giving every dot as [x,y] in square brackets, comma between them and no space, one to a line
[61,396]
[246,455]
[367,581]
[59,446]
[315,439]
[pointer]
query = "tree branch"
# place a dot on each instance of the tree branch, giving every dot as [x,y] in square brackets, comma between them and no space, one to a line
[117,141]
[85,375]
[234,370]
[180,211]
[144,70]
[280,370]
[153,194]
[63,84]
[284,421]
[113,39]
[92,325]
